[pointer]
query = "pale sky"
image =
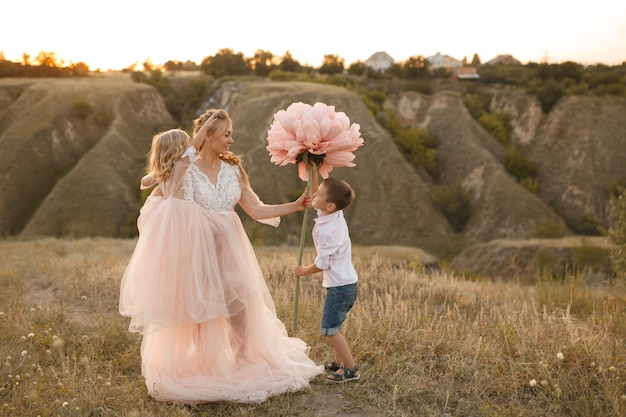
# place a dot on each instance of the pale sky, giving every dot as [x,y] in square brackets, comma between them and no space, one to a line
[115,34]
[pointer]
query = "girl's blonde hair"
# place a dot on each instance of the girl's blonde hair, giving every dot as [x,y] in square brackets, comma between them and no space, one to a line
[167,148]
[219,126]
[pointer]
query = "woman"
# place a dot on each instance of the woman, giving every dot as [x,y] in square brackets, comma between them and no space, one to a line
[225,343]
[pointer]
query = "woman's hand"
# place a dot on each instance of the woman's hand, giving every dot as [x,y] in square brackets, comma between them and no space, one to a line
[304,201]
[198,139]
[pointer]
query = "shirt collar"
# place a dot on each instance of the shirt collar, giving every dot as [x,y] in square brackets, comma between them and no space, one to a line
[329,217]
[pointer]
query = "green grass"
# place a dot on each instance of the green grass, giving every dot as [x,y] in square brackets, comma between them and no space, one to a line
[428,345]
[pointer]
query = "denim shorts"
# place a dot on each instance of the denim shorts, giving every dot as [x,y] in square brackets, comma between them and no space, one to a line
[339,300]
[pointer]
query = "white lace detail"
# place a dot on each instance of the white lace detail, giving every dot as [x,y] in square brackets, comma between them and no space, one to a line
[221,197]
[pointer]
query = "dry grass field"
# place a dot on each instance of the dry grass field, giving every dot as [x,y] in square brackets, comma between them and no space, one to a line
[428,345]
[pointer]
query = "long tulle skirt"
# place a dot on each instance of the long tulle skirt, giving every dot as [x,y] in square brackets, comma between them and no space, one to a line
[193,288]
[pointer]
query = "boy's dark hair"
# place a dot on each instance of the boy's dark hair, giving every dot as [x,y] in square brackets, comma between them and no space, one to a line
[338,192]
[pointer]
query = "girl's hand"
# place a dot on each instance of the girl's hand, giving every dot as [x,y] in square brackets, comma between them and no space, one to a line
[298,270]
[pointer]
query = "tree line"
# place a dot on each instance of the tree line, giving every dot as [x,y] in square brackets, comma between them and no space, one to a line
[548,82]
[45,64]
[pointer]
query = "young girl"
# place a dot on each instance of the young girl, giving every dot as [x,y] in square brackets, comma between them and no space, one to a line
[159,266]
[194,288]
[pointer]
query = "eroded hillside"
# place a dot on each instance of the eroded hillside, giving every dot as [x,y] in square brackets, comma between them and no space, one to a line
[72,151]
[67,171]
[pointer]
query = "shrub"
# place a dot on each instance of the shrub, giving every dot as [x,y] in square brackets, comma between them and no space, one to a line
[550,229]
[416,144]
[530,184]
[82,109]
[139,77]
[616,188]
[518,164]
[103,117]
[477,104]
[280,75]
[587,256]
[498,125]
[547,263]
[413,142]
[374,99]
[548,92]
[455,203]
[419,86]
[589,225]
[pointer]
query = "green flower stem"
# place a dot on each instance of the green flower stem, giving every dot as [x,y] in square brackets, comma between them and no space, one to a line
[305,216]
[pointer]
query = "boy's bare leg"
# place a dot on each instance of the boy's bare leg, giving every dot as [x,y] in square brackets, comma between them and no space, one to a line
[341,350]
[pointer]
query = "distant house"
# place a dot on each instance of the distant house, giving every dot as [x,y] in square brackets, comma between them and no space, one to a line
[503,59]
[466,73]
[380,61]
[443,61]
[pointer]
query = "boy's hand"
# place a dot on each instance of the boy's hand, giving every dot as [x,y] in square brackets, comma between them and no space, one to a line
[298,270]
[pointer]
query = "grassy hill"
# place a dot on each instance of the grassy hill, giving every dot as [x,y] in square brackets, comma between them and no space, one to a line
[427,345]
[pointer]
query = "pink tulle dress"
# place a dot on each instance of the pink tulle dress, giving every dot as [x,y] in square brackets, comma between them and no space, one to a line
[194,289]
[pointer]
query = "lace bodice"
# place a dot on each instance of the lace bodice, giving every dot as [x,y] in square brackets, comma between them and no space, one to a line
[222,196]
[229,190]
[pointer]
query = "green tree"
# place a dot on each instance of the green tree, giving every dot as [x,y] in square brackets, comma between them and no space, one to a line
[356,68]
[475,61]
[173,65]
[289,64]
[225,62]
[415,67]
[510,74]
[549,93]
[332,64]
[262,63]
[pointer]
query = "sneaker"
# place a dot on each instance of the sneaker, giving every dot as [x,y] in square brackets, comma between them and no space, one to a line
[332,367]
[347,375]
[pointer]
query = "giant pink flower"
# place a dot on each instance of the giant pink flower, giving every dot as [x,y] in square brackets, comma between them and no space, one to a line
[327,136]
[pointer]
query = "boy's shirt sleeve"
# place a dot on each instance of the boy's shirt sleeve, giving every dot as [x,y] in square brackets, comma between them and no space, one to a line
[326,248]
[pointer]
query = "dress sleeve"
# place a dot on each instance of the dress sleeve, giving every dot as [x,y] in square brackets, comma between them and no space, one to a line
[190,154]
[255,208]
[147,181]
[178,173]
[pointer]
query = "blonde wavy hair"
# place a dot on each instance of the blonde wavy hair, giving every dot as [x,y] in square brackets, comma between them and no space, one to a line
[221,124]
[167,148]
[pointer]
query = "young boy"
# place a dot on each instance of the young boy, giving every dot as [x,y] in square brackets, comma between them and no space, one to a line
[334,259]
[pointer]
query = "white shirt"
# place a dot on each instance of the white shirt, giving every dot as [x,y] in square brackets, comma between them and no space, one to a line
[334,250]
